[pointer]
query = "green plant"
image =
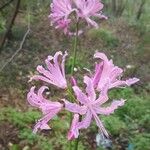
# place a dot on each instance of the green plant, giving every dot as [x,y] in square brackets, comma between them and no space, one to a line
[107,37]
[135,107]
[145,121]
[42,142]
[141,141]
[114,125]
[14,147]
[79,64]
[125,93]
[28,135]
[21,119]
[2,24]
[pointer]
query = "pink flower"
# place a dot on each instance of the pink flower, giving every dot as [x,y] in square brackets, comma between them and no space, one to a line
[48,108]
[60,12]
[88,9]
[107,73]
[55,72]
[64,25]
[90,107]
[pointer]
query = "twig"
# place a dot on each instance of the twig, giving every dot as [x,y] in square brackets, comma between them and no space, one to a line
[17,51]
[20,47]
[10,24]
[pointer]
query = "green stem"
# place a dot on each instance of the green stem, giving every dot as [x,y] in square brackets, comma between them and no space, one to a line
[75,50]
[72,72]
[72,98]
[76,144]
[70,144]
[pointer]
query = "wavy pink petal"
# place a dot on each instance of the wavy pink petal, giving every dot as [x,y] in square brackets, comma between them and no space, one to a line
[89,88]
[55,72]
[48,108]
[74,131]
[110,109]
[86,121]
[75,108]
[100,124]
[81,97]
[121,83]
[106,73]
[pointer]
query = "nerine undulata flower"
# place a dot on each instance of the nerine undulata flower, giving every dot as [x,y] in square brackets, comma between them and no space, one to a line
[55,72]
[90,107]
[61,11]
[88,9]
[48,108]
[106,73]
[88,104]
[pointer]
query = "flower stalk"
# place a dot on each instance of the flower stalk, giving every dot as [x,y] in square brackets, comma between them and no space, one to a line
[75,45]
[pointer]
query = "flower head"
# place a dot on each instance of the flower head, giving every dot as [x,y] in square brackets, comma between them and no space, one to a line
[90,107]
[48,108]
[62,10]
[106,73]
[88,9]
[55,72]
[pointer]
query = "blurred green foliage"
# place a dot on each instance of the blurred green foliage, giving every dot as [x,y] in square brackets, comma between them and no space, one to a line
[2,24]
[21,119]
[107,37]
[114,125]
[141,141]
[78,63]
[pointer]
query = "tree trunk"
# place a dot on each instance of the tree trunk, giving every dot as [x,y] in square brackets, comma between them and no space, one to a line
[10,24]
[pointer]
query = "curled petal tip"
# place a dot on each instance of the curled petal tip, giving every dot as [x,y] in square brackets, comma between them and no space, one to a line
[54,72]
[32,88]
[66,53]
[129,82]
[30,80]
[49,58]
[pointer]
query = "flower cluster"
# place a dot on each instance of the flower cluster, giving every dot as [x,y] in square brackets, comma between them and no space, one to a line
[87,103]
[64,12]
